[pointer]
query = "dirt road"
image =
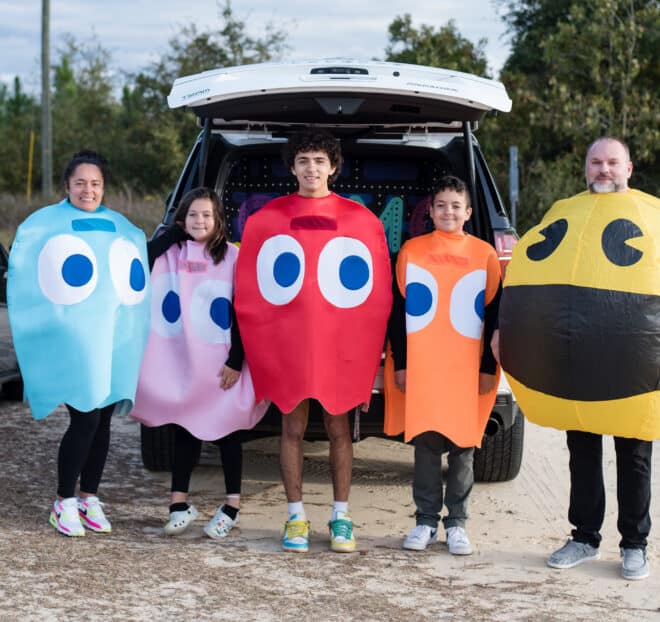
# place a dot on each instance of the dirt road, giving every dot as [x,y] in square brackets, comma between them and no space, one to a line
[137,573]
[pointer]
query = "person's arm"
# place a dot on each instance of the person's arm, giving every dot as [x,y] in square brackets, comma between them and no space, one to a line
[488,362]
[236,351]
[161,243]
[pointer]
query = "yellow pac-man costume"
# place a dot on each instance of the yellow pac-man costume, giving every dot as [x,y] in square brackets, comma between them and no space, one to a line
[448,280]
[580,316]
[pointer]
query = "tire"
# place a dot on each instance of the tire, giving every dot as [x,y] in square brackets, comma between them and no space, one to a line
[500,455]
[157,447]
[13,390]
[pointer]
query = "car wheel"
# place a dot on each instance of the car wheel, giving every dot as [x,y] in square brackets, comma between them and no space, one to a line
[500,455]
[13,390]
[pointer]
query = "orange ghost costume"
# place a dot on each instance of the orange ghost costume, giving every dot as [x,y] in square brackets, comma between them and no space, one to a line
[447,281]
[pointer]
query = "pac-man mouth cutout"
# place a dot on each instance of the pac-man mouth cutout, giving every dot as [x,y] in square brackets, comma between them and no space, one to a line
[93,224]
[578,362]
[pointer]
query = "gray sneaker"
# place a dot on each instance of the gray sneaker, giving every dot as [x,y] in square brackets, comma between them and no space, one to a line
[634,565]
[572,554]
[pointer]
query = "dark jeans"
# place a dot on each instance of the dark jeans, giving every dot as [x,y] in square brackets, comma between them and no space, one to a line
[186,450]
[587,505]
[427,480]
[83,450]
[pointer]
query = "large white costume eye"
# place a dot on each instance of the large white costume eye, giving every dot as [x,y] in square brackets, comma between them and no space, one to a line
[345,272]
[165,305]
[127,272]
[467,304]
[210,312]
[280,269]
[67,270]
[421,298]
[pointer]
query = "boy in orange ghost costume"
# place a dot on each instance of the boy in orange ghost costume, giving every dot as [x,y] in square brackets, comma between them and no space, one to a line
[445,310]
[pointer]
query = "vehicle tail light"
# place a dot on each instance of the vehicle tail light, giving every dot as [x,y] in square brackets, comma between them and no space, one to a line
[504,243]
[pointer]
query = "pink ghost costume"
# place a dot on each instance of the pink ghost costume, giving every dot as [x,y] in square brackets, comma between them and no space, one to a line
[188,345]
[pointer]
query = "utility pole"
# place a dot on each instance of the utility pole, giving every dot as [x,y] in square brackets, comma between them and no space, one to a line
[46,117]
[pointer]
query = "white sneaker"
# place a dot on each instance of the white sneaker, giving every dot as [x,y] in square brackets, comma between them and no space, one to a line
[458,542]
[180,521]
[220,525]
[90,510]
[64,517]
[420,537]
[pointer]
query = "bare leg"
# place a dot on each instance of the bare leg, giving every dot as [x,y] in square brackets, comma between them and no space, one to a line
[294,425]
[341,453]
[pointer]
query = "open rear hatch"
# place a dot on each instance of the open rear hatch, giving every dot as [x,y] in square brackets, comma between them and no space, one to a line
[339,93]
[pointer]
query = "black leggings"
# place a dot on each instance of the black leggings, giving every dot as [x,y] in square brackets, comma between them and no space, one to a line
[186,451]
[83,450]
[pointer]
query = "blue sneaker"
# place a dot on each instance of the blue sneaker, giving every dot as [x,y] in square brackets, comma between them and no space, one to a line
[296,535]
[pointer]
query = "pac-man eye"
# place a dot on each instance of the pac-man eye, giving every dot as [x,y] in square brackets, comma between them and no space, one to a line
[127,272]
[280,269]
[614,239]
[554,233]
[165,305]
[467,304]
[67,272]
[345,272]
[421,298]
[210,311]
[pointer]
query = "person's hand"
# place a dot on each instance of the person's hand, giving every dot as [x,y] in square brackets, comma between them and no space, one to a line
[228,377]
[486,383]
[400,379]
[495,345]
[364,407]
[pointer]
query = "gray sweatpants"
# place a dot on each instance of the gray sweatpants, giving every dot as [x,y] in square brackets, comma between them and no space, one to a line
[427,480]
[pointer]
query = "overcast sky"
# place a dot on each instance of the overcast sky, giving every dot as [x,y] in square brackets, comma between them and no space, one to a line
[137,32]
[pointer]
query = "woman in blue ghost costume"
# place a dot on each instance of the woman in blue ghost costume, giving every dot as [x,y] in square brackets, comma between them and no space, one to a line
[77,296]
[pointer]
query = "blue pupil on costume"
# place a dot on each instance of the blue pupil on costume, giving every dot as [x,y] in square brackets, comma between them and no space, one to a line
[77,270]
[353,272]
[220,311]
[286,269]
[418,299]
[137,278]
[479,304]
[171,307]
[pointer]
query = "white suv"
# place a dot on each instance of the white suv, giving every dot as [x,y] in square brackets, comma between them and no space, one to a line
[401,128]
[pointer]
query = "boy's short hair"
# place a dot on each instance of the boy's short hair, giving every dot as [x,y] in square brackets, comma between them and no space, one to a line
[314,140]
[451,182]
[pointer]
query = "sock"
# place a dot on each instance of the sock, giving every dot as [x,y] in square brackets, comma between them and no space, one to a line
[182,506]
[296,508]
[339,507]
[230,511]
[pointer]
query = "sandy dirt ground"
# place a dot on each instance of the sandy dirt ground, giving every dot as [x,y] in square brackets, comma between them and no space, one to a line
[137,573]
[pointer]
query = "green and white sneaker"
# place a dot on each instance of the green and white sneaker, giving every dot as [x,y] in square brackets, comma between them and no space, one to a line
[342,539]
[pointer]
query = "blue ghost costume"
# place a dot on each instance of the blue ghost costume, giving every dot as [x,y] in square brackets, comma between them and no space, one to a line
[78,302]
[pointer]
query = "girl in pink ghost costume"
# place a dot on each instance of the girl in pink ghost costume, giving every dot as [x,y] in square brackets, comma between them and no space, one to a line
[193,335]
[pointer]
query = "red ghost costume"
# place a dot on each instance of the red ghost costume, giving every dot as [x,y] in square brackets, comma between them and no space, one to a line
[447,280]
[188,345]
[313,294]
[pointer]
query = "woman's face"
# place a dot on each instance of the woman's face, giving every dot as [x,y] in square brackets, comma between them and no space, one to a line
[200,221]
[85,187]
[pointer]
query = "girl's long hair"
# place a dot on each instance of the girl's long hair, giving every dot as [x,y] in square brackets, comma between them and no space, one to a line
[216,245]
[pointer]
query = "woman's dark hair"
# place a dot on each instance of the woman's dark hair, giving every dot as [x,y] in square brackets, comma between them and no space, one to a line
[216,245]
[314,140]
[87,156]
[450,182]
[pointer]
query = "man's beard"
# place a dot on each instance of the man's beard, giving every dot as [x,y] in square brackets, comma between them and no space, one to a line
[603,187]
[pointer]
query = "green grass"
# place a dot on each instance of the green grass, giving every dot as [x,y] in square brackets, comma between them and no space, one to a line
[143,212]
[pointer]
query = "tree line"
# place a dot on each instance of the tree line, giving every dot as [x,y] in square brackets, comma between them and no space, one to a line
[577,69]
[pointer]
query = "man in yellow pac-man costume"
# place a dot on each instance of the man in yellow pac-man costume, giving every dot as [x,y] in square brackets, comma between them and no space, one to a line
[580,342]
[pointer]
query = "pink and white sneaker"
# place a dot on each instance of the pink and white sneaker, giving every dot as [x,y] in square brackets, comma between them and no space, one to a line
[91,514]
[64,517]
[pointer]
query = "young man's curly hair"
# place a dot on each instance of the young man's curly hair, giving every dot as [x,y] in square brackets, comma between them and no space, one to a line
[314,140]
